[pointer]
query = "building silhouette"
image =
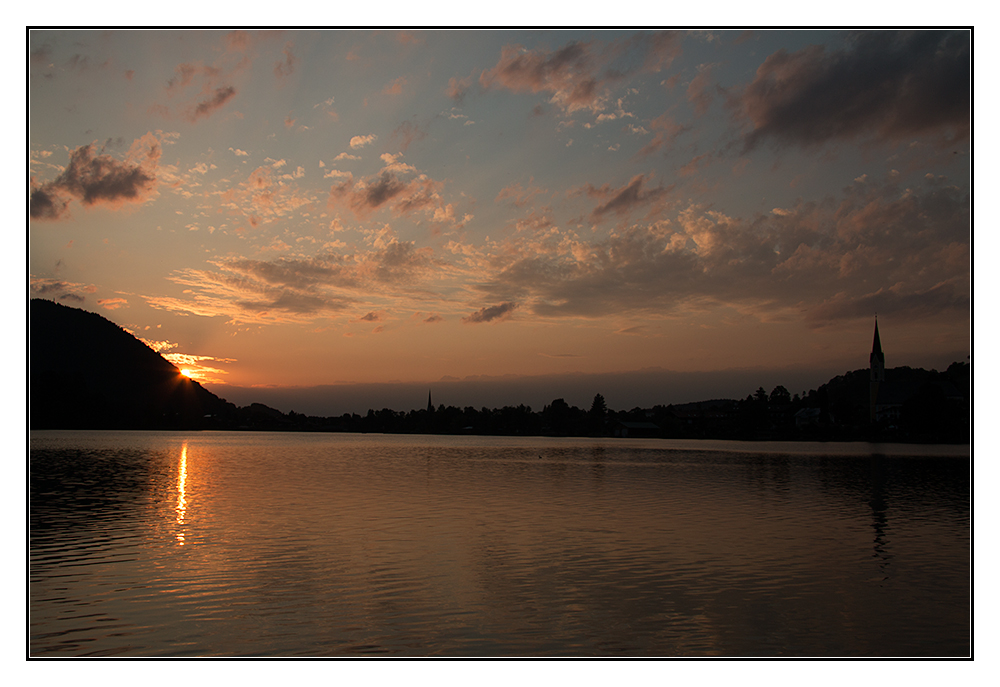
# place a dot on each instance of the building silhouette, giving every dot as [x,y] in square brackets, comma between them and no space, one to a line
[876,366]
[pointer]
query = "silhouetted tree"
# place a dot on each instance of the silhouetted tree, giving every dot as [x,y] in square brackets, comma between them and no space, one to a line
[779,395]
[596,416]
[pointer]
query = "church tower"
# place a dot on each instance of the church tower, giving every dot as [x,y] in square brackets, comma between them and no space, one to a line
[876,365]
[430,406]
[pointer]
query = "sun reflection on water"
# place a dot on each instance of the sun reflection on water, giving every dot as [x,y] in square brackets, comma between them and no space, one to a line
[181,495]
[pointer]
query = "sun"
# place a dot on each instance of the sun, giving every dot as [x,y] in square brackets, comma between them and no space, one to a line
[188,373]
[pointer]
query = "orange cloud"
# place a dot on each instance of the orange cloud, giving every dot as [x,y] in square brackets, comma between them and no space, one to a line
[396,87]
[112,303]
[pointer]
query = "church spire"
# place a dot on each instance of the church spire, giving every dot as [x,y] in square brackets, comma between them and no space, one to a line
[877,359]
[876,364]
[430,406]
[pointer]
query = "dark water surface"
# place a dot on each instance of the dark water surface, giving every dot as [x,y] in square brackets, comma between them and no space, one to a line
[242,544]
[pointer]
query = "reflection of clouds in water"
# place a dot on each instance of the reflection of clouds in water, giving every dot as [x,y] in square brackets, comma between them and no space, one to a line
[181,494]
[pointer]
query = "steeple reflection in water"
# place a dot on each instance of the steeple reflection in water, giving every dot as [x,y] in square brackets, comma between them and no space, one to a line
[181,495]
[879,507]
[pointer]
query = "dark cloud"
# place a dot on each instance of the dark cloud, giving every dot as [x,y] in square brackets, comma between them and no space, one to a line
[298,274]
[44,203]
[220,97]
[888,84]
[386,189]
[94,179]
[491,313]
[289,302]
[624,200]
[948,296]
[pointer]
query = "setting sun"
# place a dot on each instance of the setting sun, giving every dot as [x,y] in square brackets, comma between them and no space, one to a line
[187,373]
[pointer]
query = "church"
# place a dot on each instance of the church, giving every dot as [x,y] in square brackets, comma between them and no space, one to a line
[876,366]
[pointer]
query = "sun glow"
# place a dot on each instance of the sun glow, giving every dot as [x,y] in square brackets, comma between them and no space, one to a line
[188,373]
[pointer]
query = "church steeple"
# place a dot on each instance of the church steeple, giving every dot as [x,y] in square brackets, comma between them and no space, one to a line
[430,406]
[877,359]
[876,366]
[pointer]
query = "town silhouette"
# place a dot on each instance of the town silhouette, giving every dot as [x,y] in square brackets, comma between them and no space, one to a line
[139,389]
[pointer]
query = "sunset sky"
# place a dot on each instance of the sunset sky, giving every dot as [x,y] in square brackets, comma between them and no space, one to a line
[303,208]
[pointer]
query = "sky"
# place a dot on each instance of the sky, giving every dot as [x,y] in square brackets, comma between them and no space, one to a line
[309,215]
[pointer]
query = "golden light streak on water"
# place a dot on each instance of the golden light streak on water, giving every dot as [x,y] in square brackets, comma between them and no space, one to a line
[181,494]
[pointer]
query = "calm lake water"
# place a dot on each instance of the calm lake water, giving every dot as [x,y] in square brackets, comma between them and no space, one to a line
[267,544]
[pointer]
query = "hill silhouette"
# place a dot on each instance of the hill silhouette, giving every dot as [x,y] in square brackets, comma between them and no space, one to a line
[86,372]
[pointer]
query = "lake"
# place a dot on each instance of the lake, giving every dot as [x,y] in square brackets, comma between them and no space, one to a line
[270,544]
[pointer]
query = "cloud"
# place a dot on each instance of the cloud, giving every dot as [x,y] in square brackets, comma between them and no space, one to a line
[814,262]
[433,319]
[623,200]
[46,287]
[195,367]
[247,290]
[239,153]
[388,189]
[695,163]
[517,194]
[346,156]
[396,87]
[95,179]
[220,96]
[158,346]
[665,131]
[362,141]
[569,74]
[283,68]
[490,314]
[264,196]
[577,76]
[699,91]
[112,303]
[888,85]
[237,41]
[458,87]
[661,48]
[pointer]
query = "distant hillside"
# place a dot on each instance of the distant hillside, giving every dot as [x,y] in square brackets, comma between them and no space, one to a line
[86,372]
